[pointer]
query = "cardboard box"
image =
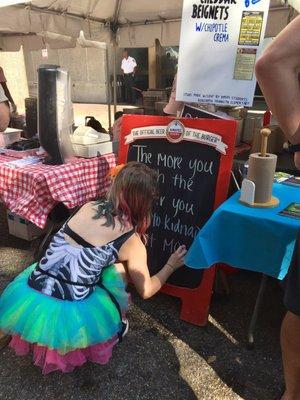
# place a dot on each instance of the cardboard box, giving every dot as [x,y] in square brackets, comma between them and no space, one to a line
[21,228]
[160,94]
[250,125]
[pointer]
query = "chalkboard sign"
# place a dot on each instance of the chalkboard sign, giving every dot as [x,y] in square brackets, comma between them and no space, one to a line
[193,158]
[187,185]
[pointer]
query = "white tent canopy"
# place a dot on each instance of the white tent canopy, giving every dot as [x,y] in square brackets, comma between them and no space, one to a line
[126,23]
[132,23]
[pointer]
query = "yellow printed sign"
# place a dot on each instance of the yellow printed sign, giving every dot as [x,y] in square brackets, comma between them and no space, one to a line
[251,26]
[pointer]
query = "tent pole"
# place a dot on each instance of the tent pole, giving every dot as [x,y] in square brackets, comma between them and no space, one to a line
[115,76]
[115,28]
[108,90]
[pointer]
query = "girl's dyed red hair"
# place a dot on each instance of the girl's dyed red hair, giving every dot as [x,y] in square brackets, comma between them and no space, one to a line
[132,194]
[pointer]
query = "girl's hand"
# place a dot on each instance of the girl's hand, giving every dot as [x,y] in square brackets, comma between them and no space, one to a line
[177,258]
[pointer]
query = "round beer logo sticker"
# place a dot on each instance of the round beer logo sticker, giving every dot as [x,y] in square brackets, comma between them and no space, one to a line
[175,131]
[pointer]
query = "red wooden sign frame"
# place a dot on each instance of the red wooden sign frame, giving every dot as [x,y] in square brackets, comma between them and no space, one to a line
[195,302]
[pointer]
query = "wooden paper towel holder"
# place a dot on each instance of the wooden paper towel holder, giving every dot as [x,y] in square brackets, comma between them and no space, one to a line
[248,186]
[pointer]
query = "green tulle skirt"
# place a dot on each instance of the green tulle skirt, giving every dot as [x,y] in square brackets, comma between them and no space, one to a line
[63,326]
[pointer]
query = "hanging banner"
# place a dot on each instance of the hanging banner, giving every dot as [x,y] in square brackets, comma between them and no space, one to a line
[219,44]
[175,132]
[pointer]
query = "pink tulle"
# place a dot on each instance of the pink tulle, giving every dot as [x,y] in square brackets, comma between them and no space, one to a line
[50,360]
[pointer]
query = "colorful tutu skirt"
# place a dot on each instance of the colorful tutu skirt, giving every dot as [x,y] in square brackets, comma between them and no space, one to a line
[63,334]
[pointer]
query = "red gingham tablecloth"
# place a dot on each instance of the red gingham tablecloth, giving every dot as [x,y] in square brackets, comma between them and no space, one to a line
[34,190]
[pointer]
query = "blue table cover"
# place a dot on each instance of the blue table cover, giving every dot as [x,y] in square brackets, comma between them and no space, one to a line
[256,239]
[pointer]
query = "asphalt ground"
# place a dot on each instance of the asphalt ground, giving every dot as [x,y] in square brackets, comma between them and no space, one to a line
[162,357]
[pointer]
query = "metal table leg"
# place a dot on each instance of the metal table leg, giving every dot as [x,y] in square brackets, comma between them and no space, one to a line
[235,180]
[252,326]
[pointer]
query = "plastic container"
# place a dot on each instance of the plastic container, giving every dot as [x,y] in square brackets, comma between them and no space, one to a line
[93,150]
[10,136]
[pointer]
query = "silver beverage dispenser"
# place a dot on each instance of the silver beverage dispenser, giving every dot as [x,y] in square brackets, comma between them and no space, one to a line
[55,113]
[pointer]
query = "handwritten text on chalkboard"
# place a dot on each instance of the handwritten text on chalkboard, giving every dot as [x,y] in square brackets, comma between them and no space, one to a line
[187,176]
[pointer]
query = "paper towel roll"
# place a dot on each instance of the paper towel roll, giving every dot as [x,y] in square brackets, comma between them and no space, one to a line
[261,171]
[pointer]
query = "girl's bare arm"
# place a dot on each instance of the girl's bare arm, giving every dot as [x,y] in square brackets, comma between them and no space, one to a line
[137,268]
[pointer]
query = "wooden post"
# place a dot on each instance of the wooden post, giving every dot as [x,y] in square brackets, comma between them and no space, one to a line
[152,66]
[155,65]
[159,56]
[266,132]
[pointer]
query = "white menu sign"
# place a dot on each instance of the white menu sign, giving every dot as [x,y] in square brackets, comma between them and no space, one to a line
[219,45]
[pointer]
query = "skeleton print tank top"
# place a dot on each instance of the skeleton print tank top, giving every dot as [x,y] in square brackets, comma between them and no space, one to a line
[69,272]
